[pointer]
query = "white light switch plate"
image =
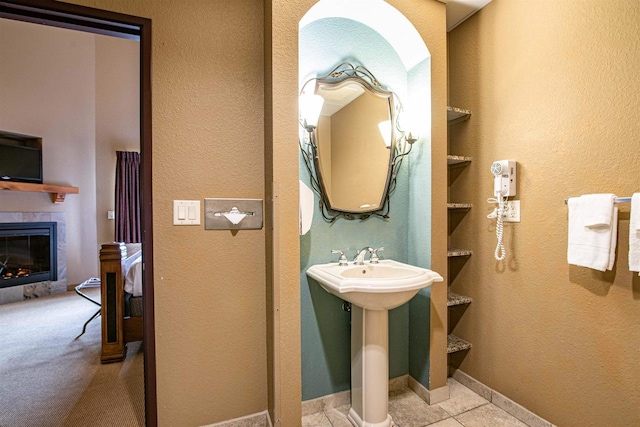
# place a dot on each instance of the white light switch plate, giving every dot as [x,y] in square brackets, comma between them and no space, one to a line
[186,212]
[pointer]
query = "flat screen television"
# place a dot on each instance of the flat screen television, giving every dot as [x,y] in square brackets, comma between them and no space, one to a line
[20,158]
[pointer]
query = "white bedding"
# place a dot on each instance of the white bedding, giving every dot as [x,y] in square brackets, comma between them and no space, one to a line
[133,274]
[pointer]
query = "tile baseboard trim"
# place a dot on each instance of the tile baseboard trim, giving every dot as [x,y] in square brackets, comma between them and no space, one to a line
[323,403]
[472,384]
[342,398]
[430,396]
[501,401]
[399,383]
[259,419]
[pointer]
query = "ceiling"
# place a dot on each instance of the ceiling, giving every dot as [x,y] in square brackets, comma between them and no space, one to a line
[460,10]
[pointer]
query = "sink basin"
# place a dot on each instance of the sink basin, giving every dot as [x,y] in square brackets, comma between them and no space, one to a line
[382,286]
[372,289]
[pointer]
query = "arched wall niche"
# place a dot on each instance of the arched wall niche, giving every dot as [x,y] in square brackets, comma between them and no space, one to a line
[375,34]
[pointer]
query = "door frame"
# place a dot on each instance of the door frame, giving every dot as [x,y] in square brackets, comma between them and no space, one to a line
[81,18]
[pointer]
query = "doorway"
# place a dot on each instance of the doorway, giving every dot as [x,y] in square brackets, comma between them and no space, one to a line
[79,18]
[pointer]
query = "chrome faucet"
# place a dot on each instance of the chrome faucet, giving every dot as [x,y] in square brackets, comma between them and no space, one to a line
[359,259]
[342,262]
[374,255]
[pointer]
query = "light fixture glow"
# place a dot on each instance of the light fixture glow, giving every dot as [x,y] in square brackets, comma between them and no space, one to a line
[310,107]
[385,131]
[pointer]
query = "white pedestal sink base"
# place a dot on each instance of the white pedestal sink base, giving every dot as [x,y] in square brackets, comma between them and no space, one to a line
[356,421]
[378,288]
[369,368]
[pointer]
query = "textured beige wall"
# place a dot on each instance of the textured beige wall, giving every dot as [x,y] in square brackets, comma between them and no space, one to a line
[554,86]
[429,18]
[281,166]
[117,119]
[207,72]
[47,89]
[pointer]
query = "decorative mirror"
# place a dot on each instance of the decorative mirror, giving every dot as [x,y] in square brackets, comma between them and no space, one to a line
[352,142]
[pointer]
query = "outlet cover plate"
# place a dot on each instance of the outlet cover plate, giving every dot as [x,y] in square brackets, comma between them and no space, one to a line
[513,211]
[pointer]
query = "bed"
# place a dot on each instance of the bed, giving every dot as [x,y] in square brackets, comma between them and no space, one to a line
[121,298]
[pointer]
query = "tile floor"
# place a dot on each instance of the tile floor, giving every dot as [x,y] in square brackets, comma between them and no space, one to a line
[464,409]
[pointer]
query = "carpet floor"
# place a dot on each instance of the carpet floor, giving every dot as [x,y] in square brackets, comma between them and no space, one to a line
[49,378]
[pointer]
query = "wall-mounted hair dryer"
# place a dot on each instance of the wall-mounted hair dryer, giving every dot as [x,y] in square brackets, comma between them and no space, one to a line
[504,183]
[504,186]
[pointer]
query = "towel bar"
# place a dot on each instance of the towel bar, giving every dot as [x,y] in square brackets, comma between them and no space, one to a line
[617,200]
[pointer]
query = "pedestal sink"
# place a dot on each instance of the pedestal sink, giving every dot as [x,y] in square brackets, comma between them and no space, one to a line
[373,290]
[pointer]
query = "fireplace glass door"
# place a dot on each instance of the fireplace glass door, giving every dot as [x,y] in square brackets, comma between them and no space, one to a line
[27,253]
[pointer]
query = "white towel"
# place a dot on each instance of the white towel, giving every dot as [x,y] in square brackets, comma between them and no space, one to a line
[600,209]
[593,228]
[634,234]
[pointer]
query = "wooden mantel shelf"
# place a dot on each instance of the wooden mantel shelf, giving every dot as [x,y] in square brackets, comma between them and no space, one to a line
[58,192]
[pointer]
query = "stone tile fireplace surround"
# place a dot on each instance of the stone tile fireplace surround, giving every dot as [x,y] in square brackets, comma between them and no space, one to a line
[40,289]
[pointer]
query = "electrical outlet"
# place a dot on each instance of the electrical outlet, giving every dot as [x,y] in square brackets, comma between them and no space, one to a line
[512,213]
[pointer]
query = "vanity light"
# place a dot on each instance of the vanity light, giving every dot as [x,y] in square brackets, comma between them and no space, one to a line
[310,108]
[385,131]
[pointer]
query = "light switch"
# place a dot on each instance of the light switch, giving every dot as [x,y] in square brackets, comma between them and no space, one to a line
[186,212]
[111,214]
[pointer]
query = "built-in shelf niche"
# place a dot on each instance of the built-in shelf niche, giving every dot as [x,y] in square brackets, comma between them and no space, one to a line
[456,304]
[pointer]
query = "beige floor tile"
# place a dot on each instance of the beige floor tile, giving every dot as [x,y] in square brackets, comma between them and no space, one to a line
[449,422]
[319,419]
[488,416]
[462,399]
[408,410]
[338,416]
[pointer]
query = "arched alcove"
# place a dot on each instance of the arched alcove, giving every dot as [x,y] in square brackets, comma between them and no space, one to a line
[374,34]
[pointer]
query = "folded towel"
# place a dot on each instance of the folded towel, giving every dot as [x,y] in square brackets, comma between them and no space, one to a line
[634,223]
[634,234]
[592,245]
[614,238]
[600,209]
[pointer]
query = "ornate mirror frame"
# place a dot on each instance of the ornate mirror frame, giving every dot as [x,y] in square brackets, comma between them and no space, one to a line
[401,144]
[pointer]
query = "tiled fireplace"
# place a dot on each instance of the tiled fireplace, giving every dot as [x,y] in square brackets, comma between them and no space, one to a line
[31,267]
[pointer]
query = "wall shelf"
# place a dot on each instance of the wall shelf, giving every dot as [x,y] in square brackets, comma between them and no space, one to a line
[455,344]
[455,299]
[451,253]
[459,206]
[457,115]
[453,160]
[58,192]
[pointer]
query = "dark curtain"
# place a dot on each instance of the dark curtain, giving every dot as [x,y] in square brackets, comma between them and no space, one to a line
[128,228]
